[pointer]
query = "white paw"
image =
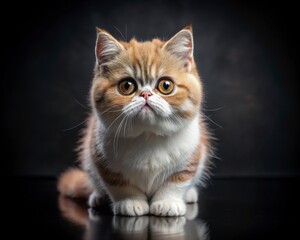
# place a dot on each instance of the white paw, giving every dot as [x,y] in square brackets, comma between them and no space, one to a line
[131,207]
[94,200]
[168,208]
[191,195]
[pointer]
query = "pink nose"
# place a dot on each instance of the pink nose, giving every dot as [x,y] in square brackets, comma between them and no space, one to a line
[146,94]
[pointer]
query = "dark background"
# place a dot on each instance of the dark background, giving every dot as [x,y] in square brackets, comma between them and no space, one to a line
[246,54]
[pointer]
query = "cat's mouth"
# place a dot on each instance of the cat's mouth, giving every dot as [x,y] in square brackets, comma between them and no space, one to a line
[146,110]
[147,106]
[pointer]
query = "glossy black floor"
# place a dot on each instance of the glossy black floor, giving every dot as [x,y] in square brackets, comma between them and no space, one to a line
[228,209]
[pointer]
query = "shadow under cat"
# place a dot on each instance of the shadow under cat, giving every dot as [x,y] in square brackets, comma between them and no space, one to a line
[100,224]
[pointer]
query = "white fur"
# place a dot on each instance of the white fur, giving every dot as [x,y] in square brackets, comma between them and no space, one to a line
[147,165]
[131,207]
[191,195]
[168,201]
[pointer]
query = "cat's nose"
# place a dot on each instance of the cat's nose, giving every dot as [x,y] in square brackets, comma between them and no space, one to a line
[146,94]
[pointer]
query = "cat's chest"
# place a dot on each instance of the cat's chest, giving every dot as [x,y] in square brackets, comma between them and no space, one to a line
[146,164]
[150,154]
[147,160]
[142,154]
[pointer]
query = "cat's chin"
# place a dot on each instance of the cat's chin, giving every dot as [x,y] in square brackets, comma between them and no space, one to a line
[154,126]
[147,116]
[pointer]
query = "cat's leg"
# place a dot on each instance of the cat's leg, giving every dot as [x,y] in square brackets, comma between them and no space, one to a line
[191,195]
[98,195]
[95,199]
[128,200]
[169,200]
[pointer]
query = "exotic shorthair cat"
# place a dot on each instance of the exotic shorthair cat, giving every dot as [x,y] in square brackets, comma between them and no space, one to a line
[145,144]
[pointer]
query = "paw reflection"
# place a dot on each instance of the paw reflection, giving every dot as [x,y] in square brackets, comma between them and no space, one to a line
[130,224]
[151,227]
[145,227]
[166,226]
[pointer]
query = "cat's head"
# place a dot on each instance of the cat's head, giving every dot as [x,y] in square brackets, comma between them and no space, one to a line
[148,86]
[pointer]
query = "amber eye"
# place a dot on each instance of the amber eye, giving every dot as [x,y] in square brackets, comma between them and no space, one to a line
[127,86]
[165,86]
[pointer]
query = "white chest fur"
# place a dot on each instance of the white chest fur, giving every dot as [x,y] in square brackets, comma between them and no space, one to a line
[148,159]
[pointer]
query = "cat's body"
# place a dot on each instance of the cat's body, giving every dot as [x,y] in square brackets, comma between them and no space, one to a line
[145,144]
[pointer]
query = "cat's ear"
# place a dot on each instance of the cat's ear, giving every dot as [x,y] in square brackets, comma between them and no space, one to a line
[182,45]
[107,47]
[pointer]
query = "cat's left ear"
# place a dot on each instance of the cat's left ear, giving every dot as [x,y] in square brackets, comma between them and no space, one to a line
[107,47]
[182,45]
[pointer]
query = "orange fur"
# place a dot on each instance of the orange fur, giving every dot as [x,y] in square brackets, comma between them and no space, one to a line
[108,176]
[141,57]
[194,162]
[74,183]
[73,211]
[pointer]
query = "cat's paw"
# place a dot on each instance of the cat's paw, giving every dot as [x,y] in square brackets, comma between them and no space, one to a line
[167,207]
[131,207]
[94,200]
[191,195]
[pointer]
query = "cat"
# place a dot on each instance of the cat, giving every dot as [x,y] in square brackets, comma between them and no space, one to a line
[146,144]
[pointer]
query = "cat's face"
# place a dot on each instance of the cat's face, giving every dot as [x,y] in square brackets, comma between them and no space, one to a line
[146,86]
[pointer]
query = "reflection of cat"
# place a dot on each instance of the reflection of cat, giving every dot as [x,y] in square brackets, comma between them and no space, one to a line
[139,228]
[145,144]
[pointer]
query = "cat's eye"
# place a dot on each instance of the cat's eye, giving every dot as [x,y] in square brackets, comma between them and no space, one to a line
[165,86]
[127,86]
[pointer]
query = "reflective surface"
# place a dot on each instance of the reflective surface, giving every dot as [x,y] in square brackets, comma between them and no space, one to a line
[95,224]
[228,209]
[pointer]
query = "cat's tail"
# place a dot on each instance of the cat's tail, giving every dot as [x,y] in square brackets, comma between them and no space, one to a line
[74,183]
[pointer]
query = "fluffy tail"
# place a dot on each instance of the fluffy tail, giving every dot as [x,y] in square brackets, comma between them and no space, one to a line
[74,183]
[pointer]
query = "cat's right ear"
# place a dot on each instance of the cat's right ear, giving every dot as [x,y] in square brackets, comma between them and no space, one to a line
[181,45]
[107,47]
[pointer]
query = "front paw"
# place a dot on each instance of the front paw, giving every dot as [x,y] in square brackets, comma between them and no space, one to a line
[131,207]
[169,208]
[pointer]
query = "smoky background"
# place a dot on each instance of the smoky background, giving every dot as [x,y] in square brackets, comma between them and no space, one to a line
[246,55]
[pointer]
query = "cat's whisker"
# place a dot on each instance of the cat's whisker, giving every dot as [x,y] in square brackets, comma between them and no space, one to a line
[79,124]
[213,110]
[130,123]
[131,107]
[81,104]
[117,108]
[115,143]
[120,33]
[177,119]
[212,121]
[113,123]
[127,117]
